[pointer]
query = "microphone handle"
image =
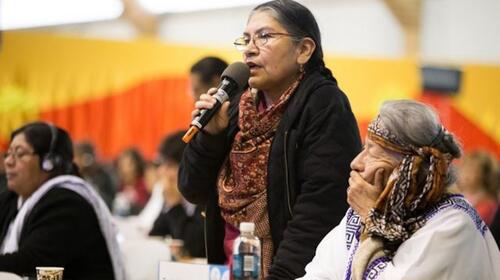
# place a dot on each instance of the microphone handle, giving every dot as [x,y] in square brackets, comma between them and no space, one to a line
[190,134]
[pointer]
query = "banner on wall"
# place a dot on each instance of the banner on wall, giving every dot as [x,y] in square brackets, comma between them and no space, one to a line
[123,94]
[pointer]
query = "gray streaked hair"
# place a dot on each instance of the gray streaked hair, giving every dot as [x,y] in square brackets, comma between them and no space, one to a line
[299,22]
[418,124]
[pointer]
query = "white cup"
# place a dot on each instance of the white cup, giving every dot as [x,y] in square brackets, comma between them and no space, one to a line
[49,273]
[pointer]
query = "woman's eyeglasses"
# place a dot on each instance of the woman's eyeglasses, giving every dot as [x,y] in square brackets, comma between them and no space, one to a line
[259,39]
[17,154]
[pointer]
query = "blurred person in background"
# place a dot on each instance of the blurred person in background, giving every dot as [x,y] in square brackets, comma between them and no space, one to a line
[205,74]
[404,222]
[145,219]
[278,155]
[179,219]
[132,194]
[478,181]
[150,175]
[3,178]
[94,173]
[50,216]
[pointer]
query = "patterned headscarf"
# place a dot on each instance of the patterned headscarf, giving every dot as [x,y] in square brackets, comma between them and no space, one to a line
[400,209]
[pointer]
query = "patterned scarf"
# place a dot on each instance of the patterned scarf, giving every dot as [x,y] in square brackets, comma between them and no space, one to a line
[400,209]
[242,181]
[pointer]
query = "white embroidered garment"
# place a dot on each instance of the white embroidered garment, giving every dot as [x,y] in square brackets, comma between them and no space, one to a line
[453,244]
[86,191]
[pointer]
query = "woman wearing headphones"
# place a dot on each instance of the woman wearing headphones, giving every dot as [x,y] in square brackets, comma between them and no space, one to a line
[50,216]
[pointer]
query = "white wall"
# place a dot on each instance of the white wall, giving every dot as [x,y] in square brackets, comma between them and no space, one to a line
[461,30]
[451,30]
[359,27]
[119,29]
[216,28]
[352,27]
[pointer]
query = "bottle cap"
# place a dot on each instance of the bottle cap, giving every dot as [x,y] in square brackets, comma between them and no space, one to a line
[247,227]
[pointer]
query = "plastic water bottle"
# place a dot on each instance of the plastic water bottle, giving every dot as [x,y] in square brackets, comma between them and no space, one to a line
[246,254]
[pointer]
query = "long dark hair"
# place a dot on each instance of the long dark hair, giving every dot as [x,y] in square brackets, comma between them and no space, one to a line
[39,136]
[300,22]
[137,159]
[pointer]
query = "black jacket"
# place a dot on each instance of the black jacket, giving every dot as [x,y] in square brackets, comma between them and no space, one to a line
[495,228]
[308,173]
[179,225]
[62,230]
[3,182]
[102,182]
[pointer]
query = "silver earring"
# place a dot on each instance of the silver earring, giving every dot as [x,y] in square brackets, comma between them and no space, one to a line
[301,68]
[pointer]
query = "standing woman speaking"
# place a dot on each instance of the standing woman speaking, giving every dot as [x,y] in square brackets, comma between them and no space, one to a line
[278,155]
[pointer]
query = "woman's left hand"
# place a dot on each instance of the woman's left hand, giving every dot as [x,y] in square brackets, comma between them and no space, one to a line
[361,195]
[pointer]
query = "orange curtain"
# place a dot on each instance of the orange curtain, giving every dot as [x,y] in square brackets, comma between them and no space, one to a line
[116,94]
[140,116]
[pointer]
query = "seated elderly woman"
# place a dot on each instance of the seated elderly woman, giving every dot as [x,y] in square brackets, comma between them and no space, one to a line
[48,216]
[403,222]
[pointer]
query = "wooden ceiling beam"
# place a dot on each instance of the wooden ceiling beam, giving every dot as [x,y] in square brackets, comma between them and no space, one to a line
[145,22]
[408,12]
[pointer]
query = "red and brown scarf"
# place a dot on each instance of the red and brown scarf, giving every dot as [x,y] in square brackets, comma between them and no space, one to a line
[242,182]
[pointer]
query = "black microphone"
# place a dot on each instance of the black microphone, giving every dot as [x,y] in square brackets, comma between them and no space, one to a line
[233,80]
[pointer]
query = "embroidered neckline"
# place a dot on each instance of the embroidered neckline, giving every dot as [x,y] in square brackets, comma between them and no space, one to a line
[375,268]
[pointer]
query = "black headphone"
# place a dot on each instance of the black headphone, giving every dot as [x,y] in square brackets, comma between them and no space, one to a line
[51,161]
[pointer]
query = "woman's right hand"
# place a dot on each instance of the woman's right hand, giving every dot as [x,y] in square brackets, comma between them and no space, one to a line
[362,196]
[220,120]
